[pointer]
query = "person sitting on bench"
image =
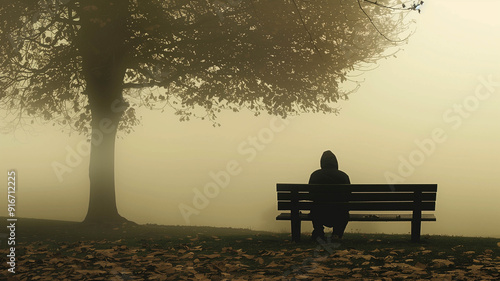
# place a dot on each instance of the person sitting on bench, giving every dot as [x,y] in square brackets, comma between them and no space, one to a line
[329,216]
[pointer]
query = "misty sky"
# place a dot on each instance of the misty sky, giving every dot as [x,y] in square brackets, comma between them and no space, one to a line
[439,98]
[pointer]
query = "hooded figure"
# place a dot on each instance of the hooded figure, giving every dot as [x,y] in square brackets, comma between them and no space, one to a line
[329,216]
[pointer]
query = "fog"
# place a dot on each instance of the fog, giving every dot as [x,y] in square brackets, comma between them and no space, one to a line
[440,99]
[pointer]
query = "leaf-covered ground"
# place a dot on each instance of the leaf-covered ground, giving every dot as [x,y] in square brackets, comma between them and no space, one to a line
[67,251]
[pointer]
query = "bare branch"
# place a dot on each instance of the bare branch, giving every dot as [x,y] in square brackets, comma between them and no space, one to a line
[375,26]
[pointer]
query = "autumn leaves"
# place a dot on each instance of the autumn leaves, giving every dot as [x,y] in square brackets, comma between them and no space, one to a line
[254,257]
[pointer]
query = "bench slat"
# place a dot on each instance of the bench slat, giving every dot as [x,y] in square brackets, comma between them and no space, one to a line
[358,187]
[366,217]
[388,196]
[365,206]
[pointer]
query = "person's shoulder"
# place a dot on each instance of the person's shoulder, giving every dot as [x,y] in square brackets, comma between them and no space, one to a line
[319,171]
[315,176]
[342,172]
[345,176]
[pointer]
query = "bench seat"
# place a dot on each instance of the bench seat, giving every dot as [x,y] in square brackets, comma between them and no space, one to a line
[364,217]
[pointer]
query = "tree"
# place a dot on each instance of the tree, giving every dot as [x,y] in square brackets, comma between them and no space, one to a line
[82,64]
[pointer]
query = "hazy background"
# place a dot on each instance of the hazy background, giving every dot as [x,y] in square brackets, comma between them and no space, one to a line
[400,102]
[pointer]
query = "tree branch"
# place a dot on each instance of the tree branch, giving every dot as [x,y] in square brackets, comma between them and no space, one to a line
[374,25]
[305,27]
[413,7]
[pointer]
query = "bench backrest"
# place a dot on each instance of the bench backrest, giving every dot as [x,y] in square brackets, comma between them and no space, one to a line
[361,197]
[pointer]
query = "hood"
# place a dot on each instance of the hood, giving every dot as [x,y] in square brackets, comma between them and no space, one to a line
[329,161]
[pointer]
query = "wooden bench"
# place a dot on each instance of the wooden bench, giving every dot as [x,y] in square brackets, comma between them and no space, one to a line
[412,198]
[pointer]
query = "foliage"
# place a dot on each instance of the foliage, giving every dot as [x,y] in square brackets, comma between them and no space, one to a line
[278,57]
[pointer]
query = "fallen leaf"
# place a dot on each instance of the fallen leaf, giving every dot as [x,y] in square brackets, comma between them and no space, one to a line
[272,264]
[357,269]
[389,273]
[367,257]
[420,265]
[438,263]
[93,272]
[212,256]
[189,255]
[316,270]
[475,267]
[250,257]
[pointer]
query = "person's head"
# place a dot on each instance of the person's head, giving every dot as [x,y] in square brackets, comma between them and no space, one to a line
[329,160]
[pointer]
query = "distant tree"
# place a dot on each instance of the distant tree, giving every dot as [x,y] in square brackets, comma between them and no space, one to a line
[82,64]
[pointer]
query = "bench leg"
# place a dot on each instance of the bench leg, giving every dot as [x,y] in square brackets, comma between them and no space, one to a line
[415,230]
[296,230]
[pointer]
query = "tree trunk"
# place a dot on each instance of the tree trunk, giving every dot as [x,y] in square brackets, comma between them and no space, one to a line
[104,90]
[102,38]
[106,102]
[102,201]
[107,106]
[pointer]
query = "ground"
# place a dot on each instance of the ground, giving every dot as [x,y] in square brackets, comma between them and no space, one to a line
[52,250]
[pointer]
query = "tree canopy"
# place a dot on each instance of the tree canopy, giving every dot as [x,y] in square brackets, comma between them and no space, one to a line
[279,57]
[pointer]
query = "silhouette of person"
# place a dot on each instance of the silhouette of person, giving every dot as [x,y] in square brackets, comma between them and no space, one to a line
[336,217]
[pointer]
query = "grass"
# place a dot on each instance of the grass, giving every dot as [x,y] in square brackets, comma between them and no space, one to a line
[37,239]
[40,230]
